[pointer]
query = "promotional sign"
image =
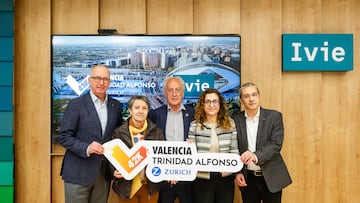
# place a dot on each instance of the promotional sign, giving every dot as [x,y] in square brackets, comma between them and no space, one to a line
[317,52]
[167,160]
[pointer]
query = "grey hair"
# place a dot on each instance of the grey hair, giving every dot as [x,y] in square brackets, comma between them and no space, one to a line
[97,66]
[248,84]
[176,77]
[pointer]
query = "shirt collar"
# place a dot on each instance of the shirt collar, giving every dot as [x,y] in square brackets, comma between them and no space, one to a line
[95,99]
[256,116]
[182,107]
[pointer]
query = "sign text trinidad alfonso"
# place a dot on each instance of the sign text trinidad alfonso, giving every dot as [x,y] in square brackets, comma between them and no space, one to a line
[167,160]
[317,52]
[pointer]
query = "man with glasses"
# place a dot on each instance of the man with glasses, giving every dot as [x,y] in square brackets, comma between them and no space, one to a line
[174,119]
[260,138]
[88,122]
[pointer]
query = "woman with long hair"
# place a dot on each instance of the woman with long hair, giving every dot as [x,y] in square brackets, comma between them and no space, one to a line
[213,130]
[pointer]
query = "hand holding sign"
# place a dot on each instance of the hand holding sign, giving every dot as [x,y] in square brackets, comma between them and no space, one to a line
[167,160]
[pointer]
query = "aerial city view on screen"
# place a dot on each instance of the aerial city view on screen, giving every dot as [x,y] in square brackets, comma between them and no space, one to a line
[138,65]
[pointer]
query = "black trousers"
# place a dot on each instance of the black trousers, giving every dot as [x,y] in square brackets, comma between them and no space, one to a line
[257,191]
[216,190]
[181,190]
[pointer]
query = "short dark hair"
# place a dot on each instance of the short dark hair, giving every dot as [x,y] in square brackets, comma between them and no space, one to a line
[138,97]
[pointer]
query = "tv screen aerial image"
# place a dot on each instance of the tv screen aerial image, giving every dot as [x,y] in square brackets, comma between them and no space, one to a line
[139,64]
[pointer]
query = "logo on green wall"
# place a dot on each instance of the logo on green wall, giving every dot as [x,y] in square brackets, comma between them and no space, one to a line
[317,52]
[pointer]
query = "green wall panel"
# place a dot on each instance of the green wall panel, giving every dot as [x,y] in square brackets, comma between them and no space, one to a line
[6,23]
[6,175]
[6,76]
[7,194]
[6,98]
[6,48]
[6,149]
[6,5]
[6,123]
[6,101]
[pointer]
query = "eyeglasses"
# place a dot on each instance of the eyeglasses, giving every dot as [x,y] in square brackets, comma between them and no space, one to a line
[213,102]
[99,79]
[176,91]
[247,96]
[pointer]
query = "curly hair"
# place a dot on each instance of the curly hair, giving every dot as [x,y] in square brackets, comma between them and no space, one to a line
[223,118]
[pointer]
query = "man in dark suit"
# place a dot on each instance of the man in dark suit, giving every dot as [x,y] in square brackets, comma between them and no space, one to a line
[260,138]
[174,120]
[88,122]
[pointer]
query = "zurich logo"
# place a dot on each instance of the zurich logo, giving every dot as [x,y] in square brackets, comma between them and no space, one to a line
[156,171]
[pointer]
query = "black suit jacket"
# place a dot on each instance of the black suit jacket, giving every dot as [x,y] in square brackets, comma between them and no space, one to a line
[159,116]
[269,141]
[81,126]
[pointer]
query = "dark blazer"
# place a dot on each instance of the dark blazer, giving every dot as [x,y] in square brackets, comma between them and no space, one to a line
[159,116]
[268,145]
[81,126]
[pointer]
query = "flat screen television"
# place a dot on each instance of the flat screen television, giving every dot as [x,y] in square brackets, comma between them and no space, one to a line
[138,65]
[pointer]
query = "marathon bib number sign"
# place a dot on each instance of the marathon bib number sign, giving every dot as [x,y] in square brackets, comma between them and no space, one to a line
[167,160]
